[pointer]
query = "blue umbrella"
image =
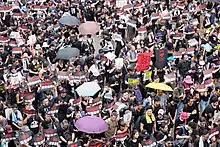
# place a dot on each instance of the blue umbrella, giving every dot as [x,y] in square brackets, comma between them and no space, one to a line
[69,20]
[67,53]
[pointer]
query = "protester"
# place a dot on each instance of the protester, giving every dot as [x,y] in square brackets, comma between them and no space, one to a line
[109,73]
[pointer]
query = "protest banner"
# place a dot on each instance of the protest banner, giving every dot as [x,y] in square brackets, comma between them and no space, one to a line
[161,58]
[143,61]
[133,81]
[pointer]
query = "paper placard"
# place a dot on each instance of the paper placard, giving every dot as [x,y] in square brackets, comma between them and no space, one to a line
[121,3]
[127,117]
[119,63]
[147,75]
[116,37]
[133,81]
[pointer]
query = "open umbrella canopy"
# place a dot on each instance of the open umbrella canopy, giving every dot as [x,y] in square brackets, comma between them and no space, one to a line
[67,53]
[88,89]
[69,20]
[89,27]
[91,125]
[217,1]
[159,86]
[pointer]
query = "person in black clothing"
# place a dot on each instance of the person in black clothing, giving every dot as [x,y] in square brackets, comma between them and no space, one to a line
[191,108]
[202,140]
[134,140]
[65,133]
[209,111]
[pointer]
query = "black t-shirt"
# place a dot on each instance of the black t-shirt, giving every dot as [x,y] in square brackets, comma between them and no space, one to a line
[147,126]
[89,15]
[131,143]
[182,131]
[208,112]
[65,132]
[33,124]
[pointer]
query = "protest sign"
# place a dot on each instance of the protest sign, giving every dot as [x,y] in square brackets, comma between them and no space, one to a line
[121,3]
[119,63]
[161,58]
[143,62]
[147,75]
[133,81]
[127,117]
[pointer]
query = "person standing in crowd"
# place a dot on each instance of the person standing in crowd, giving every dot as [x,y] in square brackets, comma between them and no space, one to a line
[109,73]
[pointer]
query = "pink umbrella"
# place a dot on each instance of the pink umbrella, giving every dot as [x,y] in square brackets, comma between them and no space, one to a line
[89,27]
[91,124]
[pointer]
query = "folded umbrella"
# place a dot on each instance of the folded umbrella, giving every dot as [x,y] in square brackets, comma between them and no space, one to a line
[88,89]
[67,53]
[69,20]
[159,86]
[91,125]
[89,27]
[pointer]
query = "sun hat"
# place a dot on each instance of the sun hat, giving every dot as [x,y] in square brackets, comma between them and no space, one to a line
[37,47]
[188,80]
[184,116]
[45,44]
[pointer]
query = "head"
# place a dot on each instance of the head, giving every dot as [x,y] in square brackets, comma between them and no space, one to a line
[114,116]
[169,142]
[135,134]
[214,101]
[149,111]
[64,124]
[205,134]
[185,57]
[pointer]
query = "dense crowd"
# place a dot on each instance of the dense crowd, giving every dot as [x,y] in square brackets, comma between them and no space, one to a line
[113,73]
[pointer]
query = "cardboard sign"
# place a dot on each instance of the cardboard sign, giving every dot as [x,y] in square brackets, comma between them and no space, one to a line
[147,75]
[133,81]
[143,61]
[121,3]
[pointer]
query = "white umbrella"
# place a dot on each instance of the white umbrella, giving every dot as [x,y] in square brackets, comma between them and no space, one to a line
[88,89]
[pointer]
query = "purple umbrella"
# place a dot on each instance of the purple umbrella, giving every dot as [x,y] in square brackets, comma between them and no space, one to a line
[91,125]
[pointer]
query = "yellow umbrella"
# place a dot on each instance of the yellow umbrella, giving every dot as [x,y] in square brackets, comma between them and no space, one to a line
[159,86]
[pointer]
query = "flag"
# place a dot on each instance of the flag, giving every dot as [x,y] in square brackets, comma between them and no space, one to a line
[207,73]
[46,85]
[63,75]
[155,16]
[127,7]
[190,51]
[201,88]
[5,9]
[39,8]
[33,81]
[177,55]
[93,110]
[4,39]
[170,78]
[208,83]
[16,50]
